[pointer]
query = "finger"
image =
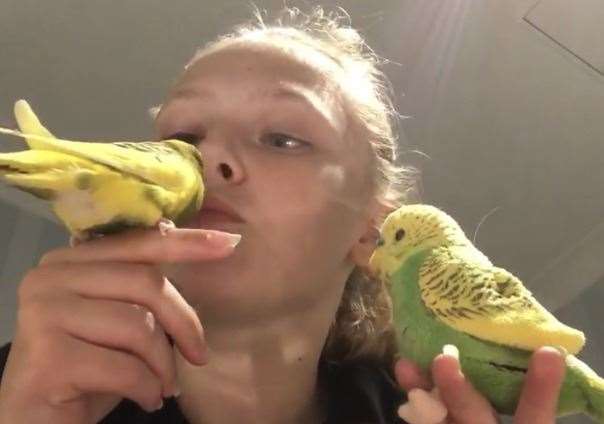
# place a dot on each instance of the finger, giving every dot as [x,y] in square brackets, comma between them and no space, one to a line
[409,375]
[147,245]
[541,388]
[423,407]
[140,284]
[102,370]
[464,403]
[122,326]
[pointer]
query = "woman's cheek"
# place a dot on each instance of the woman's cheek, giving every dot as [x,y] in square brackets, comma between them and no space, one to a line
[332,177]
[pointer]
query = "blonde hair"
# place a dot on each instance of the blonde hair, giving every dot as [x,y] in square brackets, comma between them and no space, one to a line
[362,327]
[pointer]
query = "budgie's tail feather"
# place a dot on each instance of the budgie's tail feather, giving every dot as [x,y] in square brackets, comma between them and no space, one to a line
[35,134]
[13,132]
[593,388]
[43,173]
[32,161]
[33,140]
[29,123]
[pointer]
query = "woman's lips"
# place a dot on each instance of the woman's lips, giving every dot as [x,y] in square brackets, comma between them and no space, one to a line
[209,218]
[213,204]
[215,214]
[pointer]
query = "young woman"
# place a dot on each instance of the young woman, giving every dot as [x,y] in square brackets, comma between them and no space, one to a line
[296,131]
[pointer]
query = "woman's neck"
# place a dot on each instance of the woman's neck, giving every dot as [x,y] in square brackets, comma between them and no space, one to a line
[265,373]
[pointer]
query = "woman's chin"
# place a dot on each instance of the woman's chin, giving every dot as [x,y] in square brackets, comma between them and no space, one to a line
[209,278]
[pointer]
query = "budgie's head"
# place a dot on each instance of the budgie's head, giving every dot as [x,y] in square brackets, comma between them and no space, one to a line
[188,151]
[193,156]
[409,229]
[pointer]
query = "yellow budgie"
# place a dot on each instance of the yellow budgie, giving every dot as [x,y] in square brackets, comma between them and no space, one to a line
[102,187]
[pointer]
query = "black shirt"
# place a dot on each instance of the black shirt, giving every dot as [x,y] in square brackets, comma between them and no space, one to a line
[358,393]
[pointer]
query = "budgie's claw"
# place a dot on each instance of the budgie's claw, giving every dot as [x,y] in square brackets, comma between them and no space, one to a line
[165,225]
[423,407]
[73,241]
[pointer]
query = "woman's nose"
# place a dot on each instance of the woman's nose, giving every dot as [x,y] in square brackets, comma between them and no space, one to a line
[220,163]
[225,170]
[221,170]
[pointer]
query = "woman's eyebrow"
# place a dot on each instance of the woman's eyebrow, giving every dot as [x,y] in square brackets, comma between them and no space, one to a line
[299,95]
[293,92]
[190,93]
[310,100]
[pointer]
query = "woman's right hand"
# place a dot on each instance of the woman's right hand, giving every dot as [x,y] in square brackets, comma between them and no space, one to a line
[463,403]
[92,322]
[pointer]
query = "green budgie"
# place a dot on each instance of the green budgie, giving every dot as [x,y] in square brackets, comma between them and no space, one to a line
[104,187]
[445,291]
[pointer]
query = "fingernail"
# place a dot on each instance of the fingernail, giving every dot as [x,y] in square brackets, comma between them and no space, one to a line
[451,350]
[201,356]
[563,352]
[176,391]
[561,349]
[160,405]
[221,238]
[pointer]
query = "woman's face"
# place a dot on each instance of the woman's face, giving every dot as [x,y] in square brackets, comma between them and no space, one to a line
[278,148]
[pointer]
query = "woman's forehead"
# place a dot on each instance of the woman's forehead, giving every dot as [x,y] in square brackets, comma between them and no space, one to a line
[267,63]
[307,58]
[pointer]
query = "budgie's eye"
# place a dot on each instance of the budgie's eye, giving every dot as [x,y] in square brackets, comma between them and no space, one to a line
[399,235]
[184,136]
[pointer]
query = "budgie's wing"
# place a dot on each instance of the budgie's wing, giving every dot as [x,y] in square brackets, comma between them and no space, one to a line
[45,174]
[490,303]
[152,162]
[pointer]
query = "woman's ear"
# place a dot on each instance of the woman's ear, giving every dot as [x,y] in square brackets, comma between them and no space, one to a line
[363,248]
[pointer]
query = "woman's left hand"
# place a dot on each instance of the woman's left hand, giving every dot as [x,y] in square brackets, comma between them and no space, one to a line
[465,405]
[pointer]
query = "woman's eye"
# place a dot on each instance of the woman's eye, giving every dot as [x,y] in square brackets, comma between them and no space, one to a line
[281,140]
[184,136]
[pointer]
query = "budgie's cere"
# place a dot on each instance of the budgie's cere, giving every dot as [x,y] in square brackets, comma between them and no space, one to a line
[101,187]
[445,291]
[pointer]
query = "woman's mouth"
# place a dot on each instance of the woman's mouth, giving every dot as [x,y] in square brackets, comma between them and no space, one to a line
[216,214]
[215,220]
